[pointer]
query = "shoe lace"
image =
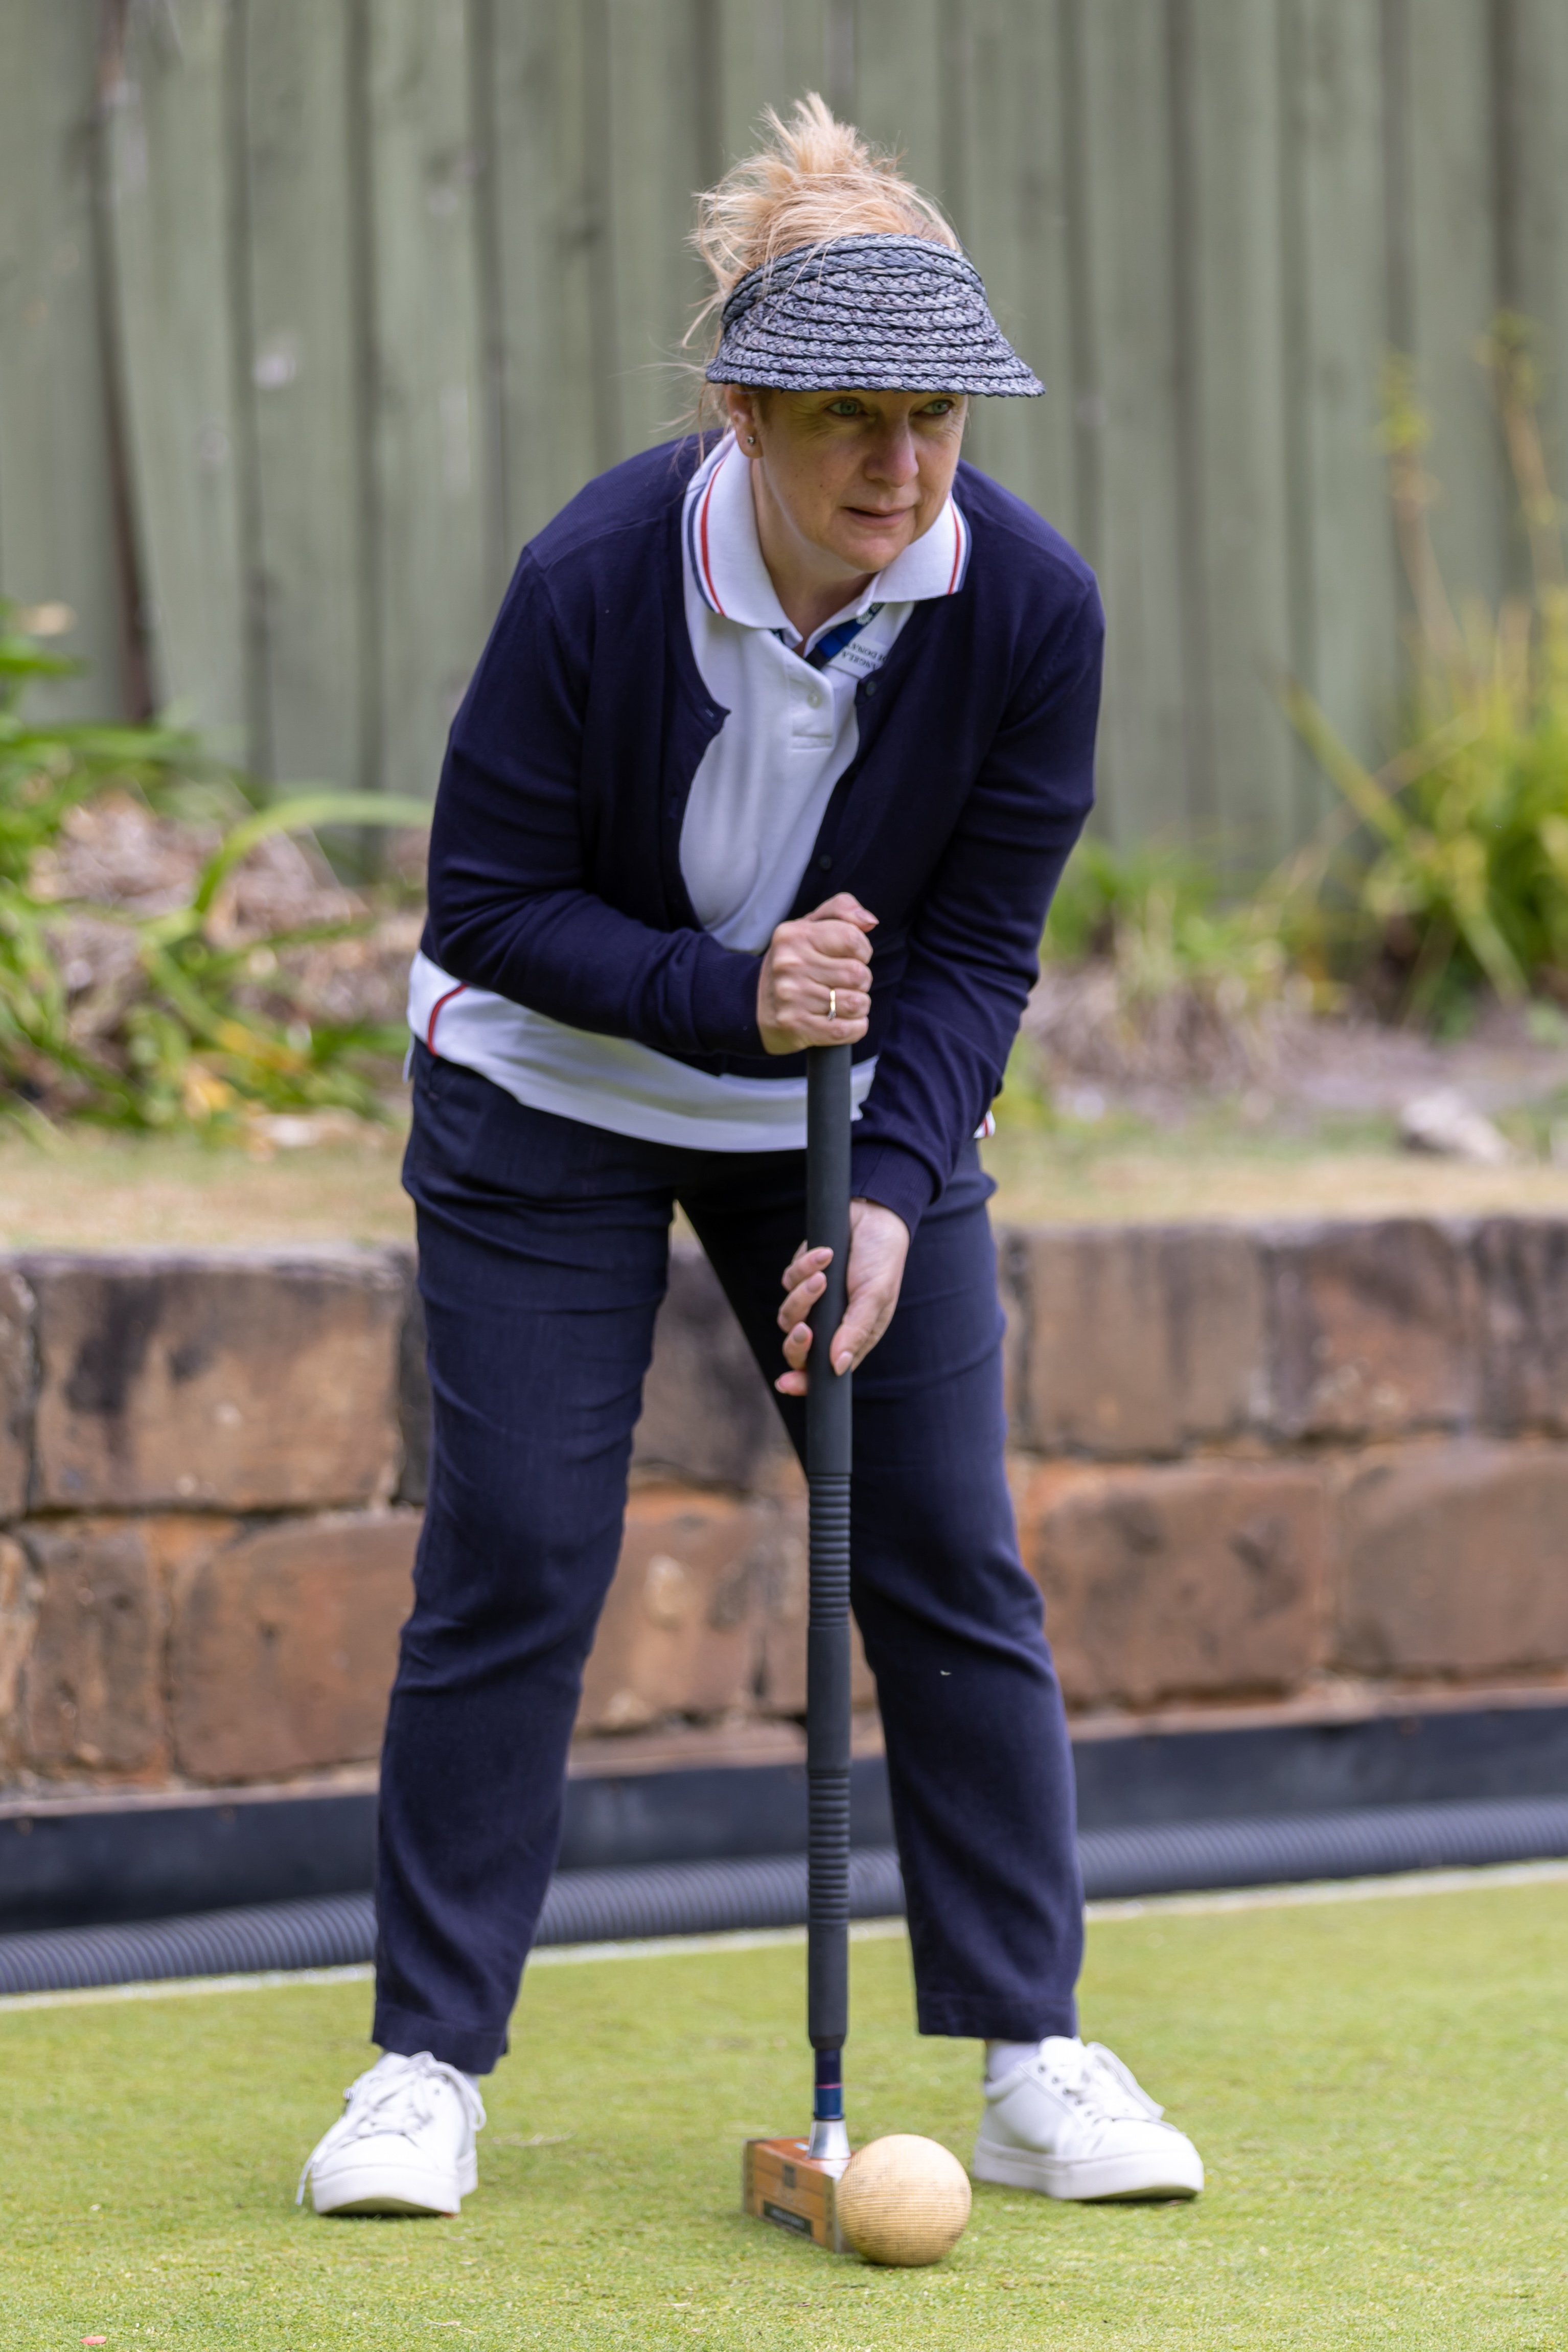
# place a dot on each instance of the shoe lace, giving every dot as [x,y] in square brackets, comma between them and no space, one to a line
[1094,2081]
[399,2099]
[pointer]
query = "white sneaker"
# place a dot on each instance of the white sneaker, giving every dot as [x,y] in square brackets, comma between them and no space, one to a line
[404,2143]
[1072,2122]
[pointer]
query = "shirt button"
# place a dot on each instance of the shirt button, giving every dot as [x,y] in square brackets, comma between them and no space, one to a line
[815,698]
[824,861]
[871,687]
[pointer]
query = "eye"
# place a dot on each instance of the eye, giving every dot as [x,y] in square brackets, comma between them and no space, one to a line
[844,407]
[942,407]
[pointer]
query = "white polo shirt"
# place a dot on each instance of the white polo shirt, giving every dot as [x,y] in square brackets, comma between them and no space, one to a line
[755,807]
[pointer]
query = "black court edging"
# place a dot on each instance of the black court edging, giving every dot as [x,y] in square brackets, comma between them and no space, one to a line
[589,1906]
[95,1860]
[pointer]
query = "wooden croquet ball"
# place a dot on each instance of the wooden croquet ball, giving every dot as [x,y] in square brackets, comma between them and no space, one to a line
[903,2200]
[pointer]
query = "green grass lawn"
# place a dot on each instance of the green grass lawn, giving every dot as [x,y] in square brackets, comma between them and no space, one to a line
[1378,2088]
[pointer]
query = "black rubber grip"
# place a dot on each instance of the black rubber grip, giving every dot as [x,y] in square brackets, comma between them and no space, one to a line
[830,1438]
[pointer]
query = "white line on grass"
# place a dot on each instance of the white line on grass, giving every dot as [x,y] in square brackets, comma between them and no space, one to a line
[863,1931]
[176,1987]
[1336,1890]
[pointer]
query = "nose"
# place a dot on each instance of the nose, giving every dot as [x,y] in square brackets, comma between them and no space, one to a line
[893,457]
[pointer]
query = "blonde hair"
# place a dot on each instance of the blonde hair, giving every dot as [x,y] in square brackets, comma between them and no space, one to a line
[815,179]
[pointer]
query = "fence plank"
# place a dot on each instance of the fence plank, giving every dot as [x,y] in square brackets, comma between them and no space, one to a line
[171,211]
[770,52]
[1453,250]
[305,387]
[57,527]
[429,380]
[1537,110]
[1145,786]
[903,54]
[1236,538]
[663,148]
[548,141]
[1347,598]
[1011,204]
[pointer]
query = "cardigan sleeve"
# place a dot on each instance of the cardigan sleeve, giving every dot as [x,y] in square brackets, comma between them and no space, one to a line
[508,907]
[974,945]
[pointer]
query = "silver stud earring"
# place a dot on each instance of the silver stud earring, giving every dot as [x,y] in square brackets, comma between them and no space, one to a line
[751,440]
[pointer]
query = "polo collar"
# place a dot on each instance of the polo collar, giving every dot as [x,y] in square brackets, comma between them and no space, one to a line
[726,559]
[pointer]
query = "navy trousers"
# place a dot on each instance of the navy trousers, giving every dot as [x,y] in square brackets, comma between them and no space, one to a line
[544,1246]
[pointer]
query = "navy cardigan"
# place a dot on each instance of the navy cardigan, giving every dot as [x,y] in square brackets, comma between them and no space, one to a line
[555,853]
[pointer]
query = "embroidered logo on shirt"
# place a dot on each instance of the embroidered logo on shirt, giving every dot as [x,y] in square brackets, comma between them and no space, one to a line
[858,657]
[843,648]
[838,640]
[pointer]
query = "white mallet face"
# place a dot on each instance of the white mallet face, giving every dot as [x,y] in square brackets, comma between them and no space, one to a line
[903,2200]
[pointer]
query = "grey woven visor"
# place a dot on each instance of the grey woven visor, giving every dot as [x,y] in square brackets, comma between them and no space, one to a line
[866,313]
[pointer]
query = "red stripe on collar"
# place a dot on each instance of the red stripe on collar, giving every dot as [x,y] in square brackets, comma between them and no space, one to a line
[957,550]
[702,539]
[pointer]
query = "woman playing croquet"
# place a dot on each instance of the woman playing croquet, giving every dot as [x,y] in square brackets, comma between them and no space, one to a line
[781,739]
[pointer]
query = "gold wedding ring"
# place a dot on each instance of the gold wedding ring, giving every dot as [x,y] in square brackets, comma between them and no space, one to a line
[833,1005]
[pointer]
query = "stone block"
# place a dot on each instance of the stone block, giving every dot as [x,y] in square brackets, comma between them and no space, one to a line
[708,1414]
[243,1382]
[677,1635]
[413,1402]
[92,1697]
[285,1642]
[1137,1340]
[1195,1579]
[1521,1271]
[18,1619]
[1012,1284]
[1372,1330]
[785,1586]
[1452,1561]
[17,1385]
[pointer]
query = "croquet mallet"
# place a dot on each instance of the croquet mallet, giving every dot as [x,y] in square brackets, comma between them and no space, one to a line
[792,2181]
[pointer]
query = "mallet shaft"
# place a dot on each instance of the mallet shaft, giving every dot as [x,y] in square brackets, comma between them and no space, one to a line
[827,1704]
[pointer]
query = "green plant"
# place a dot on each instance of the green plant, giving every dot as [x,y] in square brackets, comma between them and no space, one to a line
[1151,974]
[1160,915]
[1445,871]
[176,1035]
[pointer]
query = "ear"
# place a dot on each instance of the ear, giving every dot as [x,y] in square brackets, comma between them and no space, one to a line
[741,407]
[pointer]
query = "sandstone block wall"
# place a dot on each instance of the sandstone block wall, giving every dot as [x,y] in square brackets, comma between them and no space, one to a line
[1300,1468]
[1320,1456]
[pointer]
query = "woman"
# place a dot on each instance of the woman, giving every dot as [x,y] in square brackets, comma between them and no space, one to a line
[779,744]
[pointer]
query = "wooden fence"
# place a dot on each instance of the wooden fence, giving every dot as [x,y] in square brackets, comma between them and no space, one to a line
[311,310]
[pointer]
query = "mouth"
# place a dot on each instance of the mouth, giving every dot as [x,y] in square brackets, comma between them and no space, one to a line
[879,514]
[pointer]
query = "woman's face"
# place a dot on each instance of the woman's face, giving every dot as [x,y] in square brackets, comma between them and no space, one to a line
[855,476]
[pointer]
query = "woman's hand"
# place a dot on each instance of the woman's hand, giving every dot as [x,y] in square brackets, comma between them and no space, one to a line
[822,961]
[879,1244]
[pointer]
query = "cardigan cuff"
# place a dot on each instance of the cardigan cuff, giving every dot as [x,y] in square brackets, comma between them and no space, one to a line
[726,1006]
[894,1179]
